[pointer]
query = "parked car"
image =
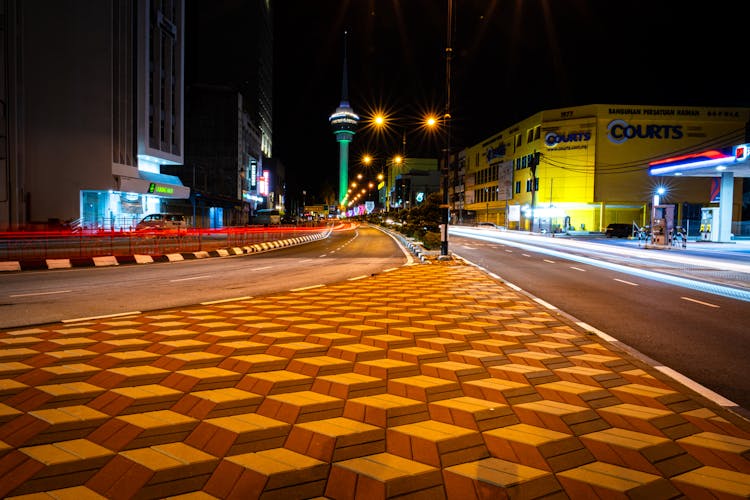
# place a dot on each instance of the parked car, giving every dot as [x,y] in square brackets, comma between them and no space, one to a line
[619,230]
[162,221]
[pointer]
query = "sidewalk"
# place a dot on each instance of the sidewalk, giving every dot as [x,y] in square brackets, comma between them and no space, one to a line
[432,380]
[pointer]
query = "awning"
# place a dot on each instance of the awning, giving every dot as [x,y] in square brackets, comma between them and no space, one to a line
[163,185]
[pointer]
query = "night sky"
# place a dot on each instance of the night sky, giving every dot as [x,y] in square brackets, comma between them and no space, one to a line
[511,59]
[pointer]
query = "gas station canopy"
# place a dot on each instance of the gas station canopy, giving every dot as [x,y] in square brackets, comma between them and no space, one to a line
[725,163]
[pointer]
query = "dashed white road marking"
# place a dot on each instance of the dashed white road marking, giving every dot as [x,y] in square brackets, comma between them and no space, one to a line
[221,301]
[707,304]
[190,278]
[39,293]
[627,282]
[549,261]
[578,269]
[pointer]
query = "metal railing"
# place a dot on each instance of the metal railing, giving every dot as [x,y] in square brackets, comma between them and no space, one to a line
[81,243]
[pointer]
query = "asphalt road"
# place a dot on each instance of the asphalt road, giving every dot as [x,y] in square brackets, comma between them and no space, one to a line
[36,297]
[701,335]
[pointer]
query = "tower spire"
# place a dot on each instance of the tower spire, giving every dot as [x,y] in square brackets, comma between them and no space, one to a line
[344,125]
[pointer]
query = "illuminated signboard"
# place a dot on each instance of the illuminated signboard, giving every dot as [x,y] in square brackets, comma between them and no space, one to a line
[264,182]
[154,188]
[253,173]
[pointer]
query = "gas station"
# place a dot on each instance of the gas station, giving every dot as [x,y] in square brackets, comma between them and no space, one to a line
[721,164]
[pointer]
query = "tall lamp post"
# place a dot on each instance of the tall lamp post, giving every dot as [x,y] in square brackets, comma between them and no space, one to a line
[447,117]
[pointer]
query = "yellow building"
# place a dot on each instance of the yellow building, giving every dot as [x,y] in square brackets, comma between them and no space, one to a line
[591,165]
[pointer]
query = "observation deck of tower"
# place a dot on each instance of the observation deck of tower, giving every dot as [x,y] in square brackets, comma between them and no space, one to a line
[344,125]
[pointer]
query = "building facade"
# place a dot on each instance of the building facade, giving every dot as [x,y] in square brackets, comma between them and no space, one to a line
[584,167]
[93,108]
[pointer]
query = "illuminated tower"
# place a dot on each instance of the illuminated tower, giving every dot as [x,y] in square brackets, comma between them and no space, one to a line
[344,124]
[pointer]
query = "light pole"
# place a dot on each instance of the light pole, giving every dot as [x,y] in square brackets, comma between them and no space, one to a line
[447,117]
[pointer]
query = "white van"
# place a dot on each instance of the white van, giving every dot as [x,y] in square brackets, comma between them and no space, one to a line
[162,221]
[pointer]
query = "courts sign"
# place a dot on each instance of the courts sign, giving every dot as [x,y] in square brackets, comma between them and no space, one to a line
[620,131]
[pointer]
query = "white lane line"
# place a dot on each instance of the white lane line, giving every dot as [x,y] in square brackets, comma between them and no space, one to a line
[221,301]
[357,278]
[549,261]
[39,293]
[104,316]
[526,255]
[508,250]
[191,278]
[578,269]
[707,304]
[321,256]
[305,288]
[305,260]
[626,282]
[261,268]
[467,247]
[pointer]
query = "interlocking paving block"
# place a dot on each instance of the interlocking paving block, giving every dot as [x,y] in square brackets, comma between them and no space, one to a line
[561,417]
[253,363]
[356,352]
[639,451]
[577,394]
[707,420]
[336,439]
[217,403]
[496,478]
[300,349]
[54,395]
[537,447]
[387,368]
[463,334]
[8,413]
[263,327]
[453,370]
[339,321]
[62,357]
[442,344]
[125,358]
[591,376]
[237,348]
[413,332]
[302,406]
[331,339]
[497,346]
[72,493]
[362,330]
[187,360]
[597,348]
[49,466]
[127,432]
[424,388]
[320,365]
[120,344]
[713,482]
[54,424]
[387,341]
[277,337]
[478,357]
[472,413]
[141,398]
[348,385]
[9,387]
[539,359]
[654,421]
[170,335]
[602,362]
[566,337]
[383,475]
[719,450]
[523,374]
[436,443]
[275,382]
[386,410]
[170,468]
[215,336]
[639,376]
[64,343]
[308,328]
[601,480]
[275,473]
[237,434]
[26,341]
[657,397]
[121,333]
[514,336]
[175,346]
[551,347]
[432,324]
[128,376]
[201,379]
[417,355]
[500,391]
[14,369]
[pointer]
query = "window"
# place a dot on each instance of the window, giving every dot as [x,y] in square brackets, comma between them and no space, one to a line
[518,187]
[529,135]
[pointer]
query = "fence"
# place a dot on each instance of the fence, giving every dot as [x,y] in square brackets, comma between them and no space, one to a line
[22,245]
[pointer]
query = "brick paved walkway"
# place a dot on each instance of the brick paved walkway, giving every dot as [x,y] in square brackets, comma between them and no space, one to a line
[430,381]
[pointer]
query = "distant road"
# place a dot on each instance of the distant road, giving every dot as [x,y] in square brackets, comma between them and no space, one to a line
[36,297]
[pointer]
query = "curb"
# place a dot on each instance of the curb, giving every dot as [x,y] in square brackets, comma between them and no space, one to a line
[117,260]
